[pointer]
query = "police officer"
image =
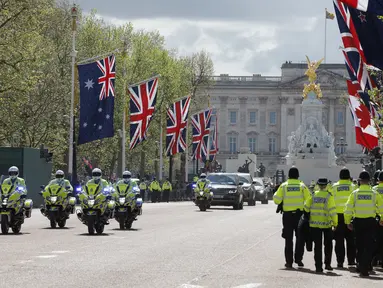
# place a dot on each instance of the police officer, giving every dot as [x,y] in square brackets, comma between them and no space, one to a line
[61,181]
[166,189]
[155,189]
[323,217]
[379,236]
[292,195]
[126,184]
[143,188]
[13,181]
[342,191]
[363,204]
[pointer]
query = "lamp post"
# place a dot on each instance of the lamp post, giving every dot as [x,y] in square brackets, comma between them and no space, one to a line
[342,144]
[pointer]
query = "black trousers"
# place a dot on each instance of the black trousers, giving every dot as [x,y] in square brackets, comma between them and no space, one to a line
[379,242]
[318,235]
[290,222]
[342,234]
[142,192]
[156,196]
[165,195]
[364,239]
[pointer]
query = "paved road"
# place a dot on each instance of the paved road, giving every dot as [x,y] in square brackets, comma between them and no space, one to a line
[173,245]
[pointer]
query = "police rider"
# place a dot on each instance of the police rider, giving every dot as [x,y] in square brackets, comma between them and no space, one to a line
[13,181]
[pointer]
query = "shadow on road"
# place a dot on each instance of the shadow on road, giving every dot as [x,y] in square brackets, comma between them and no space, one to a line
[18,234]
[49,228]
[95,235]
[306,270]
[127,230]
[222,208]
[376,278]
[203,211]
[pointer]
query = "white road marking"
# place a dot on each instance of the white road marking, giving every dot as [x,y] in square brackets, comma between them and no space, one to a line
[190,286]
[46,256]
[251,285]
[60,252]
[25,261]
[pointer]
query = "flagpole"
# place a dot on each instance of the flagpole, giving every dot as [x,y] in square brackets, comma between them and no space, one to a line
[123,140]
[325,36]
[187,152]
[71,125]
[160,150]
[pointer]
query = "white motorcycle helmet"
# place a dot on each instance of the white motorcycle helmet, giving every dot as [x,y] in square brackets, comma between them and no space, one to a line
[13,172]
[60,174]
[203,177]
[126,176]
[96,174]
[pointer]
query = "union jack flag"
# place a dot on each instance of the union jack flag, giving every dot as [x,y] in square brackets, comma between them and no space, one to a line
[107,68]
[143,97]
[201,131]
[177,119]
[213,139]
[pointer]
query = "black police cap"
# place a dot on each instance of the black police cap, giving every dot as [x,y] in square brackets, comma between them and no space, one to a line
[364,175]
[294,173]
[322,181]
[344,174]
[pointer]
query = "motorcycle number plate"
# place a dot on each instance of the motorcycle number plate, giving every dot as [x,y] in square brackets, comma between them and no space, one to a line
[122,209]
[91,213]
[5,212]
[53,208]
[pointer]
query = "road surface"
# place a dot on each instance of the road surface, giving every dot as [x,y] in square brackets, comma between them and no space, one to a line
[172,245]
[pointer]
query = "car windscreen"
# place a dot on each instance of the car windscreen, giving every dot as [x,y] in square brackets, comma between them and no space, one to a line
[228,179]
[244,179]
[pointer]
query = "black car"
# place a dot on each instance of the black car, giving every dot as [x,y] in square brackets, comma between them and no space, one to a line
[227,190]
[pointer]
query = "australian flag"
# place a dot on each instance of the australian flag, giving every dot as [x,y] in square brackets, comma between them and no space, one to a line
[96,99]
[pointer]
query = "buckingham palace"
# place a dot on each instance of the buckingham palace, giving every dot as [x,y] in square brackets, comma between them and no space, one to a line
[258,113]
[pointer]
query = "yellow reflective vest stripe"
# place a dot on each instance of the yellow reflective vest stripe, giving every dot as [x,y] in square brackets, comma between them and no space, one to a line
[293,194]
[322,210]
[363,203]
[341,192]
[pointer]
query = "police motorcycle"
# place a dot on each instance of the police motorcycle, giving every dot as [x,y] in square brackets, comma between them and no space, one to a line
[128,207]
[96,208]
[14,209]
[204,196]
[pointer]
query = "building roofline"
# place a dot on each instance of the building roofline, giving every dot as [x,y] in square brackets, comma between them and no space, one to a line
[289,65]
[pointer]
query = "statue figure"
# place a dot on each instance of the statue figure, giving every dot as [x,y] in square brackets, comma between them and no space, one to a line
[310,138]
[245,167]
[331,153]
[293,144]
[311,74]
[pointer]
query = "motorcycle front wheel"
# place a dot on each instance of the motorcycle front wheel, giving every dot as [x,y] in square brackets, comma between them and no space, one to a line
[61,223]
[16,229]
[4,224]
[100,228]
[91,226]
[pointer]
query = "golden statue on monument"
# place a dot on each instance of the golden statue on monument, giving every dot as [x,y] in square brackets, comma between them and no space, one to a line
[312,75]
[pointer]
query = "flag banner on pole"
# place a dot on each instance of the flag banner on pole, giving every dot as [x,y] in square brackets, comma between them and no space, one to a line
[214,138]
[143,97]
[96,99]
[373,6]
[201,131]
[367,28]
[365,131]
[329,15]
[176,123]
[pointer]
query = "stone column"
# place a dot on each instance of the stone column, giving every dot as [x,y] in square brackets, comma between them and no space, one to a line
[242,139]
[331,124]
[350,131]
[283,124]
[222,123]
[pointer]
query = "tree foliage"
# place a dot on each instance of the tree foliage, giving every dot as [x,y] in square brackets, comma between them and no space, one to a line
[35,79]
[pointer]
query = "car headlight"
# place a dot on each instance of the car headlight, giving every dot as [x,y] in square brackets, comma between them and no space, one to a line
[122,200]
[53,199]
[261,191]
[232,191]
[90,203]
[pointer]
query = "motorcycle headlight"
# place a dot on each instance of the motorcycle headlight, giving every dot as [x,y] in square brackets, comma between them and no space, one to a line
[201,193]
[122,200]
[5,201]
[53,199]
[90,203]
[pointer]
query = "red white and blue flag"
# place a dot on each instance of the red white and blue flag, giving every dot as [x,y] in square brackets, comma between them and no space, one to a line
[201,132]
[143,97]
[373,6]
[213,138]
[177,120]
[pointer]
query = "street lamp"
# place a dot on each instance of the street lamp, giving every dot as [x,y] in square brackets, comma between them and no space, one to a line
[342,144]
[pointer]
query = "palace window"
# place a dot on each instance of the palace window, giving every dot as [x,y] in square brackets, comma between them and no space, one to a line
[233,144]
[272,145]
[233,117]
[252,144]
[340,118]
[253,117]
[273,118]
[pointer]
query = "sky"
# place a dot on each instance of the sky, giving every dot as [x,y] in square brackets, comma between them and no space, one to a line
[243,37]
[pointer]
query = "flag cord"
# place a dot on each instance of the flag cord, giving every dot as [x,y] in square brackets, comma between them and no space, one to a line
[85,61]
